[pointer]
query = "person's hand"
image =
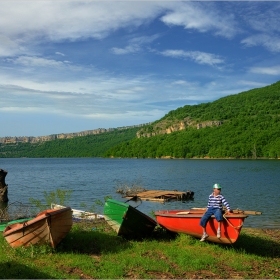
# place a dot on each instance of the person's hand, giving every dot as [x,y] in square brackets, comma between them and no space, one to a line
[229,212]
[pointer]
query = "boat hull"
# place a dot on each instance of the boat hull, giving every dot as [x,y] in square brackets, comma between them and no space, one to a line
[187,221]
[49,227]
[126,220]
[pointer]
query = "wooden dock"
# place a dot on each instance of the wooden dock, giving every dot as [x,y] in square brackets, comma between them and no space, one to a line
[162,196]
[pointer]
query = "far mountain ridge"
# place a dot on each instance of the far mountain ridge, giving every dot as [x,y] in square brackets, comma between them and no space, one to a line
[36,139]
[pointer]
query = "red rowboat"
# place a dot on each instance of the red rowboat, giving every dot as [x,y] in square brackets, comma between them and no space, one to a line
[187,221]
[50,226]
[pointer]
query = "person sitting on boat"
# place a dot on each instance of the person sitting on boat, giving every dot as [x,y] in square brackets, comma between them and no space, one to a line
[215,208]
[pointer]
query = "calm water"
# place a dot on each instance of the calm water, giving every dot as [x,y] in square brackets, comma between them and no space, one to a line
[247,184]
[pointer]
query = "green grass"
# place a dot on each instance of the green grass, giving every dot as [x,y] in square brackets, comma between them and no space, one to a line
[93,250]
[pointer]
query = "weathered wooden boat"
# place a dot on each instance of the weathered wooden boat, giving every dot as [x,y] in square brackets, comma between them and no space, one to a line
[79,214]
[3,225]
[48,227]
[126,220]
[187,221]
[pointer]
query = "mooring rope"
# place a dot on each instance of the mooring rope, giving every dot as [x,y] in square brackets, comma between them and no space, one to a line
[235,227]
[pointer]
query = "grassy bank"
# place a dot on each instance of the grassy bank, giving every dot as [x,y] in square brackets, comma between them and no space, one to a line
[92,250]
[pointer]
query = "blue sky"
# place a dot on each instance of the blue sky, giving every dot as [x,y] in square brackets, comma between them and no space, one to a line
[68,66]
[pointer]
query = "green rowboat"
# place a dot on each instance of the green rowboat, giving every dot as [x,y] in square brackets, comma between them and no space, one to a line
[126,220]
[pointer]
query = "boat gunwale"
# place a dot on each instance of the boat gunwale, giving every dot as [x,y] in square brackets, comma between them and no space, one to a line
[13,228]
[195,215]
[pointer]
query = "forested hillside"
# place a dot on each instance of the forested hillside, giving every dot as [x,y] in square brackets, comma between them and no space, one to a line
[245,125]
[250,129]
[83,146]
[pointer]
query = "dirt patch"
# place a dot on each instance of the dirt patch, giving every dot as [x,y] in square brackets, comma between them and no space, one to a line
[274,234]
[74,271]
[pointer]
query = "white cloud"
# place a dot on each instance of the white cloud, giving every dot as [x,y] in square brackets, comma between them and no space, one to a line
[23,23]
[180,82]
[142,40]
[251,83]
[132,115]
[71,20]
[272,43]
[36,62]
[273,70]
[262,17]
[197,56]
[9,47]
[126,50]
[131,90]
[264,25]
[20,109]
[204,18]
[59,53]
[135,44]
[99,94]
[186,84]
[26,24]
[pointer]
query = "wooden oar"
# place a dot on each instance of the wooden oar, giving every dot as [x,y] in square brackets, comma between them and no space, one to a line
[247,212]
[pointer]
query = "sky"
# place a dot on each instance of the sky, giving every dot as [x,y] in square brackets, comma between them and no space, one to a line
[69,66]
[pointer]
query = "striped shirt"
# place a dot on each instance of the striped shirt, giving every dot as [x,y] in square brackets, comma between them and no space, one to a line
[217,201]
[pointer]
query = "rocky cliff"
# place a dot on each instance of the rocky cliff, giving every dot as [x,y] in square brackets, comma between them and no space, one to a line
[146,130]
[31,139]
[168,126]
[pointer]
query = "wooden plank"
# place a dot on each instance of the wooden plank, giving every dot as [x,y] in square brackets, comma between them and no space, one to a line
[154,199]
[158,193]
[247,212]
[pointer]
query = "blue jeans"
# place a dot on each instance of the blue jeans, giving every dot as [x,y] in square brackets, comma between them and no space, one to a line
[211,211]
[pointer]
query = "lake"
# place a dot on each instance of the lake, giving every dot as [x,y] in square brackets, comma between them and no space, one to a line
[246,184]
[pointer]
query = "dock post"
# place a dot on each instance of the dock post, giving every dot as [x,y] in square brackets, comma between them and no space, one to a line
[3,186]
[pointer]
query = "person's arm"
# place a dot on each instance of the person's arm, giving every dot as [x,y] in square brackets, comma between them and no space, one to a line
[226,204]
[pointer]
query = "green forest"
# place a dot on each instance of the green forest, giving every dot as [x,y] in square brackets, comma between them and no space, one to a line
[250,128]
[83,146]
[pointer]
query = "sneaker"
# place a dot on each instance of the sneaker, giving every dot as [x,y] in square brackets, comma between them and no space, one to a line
[204,236]
[219,233]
